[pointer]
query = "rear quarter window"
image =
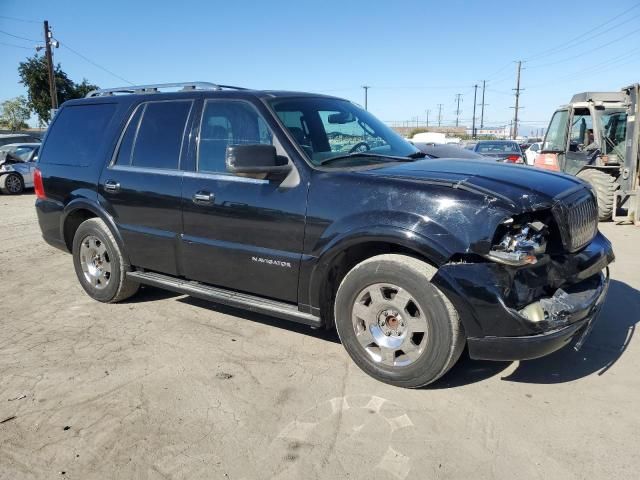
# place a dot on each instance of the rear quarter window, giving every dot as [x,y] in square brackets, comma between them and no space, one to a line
[77,134]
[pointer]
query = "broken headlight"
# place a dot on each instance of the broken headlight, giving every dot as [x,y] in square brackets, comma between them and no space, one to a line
[520,244]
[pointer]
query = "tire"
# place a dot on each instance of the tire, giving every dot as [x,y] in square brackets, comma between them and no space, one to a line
[12,184]
[417,322]
[605,186]
[96,254]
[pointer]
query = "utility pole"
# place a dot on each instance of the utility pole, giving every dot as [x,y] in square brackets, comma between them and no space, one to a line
[473,122]
[484,84]
[49,56]
[440,114]
[428,117]
[458,95]
[517,107]
[366,91]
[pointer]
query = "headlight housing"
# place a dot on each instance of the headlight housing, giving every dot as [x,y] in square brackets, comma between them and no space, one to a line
[521,244]
[6,167]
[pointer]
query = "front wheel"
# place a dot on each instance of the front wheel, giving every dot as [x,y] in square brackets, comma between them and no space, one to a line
[395,324]
[605,187]
[11,184]
[99,263]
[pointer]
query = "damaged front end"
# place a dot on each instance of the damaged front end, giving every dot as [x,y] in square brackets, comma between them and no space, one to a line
[538,286]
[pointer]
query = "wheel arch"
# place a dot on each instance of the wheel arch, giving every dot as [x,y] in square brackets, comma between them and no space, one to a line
[345,253]
[79,210]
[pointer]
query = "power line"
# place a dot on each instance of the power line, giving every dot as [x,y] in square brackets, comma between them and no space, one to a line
[16,46]
[563,46]
[590,51]
[421,87]
[94,63]
[19,19]
[500,70]
[19,37]
[592,69]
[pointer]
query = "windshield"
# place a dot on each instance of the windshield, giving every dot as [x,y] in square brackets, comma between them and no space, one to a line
[613,126]
[556,137]
[497,147]
[327,128]
[22,153]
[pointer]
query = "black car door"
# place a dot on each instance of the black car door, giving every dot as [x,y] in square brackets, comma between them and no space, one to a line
[141,188]
[240,233]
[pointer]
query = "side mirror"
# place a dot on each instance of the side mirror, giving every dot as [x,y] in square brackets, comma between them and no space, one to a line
[256,160]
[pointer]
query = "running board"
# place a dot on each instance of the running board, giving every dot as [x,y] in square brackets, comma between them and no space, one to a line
[227,297]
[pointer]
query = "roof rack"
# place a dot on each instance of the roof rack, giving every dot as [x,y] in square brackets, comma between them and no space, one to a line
[186,86]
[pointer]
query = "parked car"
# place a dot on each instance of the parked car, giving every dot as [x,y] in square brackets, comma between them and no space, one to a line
[506,151]
[7,138]
[523,146]
[448,151]
[308,208]
[532,152]
[17,163]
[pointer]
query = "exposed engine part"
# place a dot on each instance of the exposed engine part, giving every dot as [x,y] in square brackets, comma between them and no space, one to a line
[521,244]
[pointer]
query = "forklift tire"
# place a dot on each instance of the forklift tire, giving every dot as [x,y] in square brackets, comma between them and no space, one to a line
[605,186]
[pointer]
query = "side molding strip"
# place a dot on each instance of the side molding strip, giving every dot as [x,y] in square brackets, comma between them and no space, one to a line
[245,301]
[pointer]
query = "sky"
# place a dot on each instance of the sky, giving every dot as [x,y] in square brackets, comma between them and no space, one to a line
[414,54]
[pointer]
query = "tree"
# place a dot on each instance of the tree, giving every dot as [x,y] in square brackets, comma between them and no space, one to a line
[34,75]
[84,87]
[15,113]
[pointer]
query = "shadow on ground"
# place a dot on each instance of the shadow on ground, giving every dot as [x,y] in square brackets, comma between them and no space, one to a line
[608,341]
[151,294]
[329,335]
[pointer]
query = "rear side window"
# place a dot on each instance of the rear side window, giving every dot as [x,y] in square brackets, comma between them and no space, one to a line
[76,134]
[157,140]
[126,144]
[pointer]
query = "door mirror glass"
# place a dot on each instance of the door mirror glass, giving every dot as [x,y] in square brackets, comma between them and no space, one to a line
[255,160]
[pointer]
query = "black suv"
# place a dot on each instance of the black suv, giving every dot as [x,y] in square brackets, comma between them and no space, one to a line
[308,208]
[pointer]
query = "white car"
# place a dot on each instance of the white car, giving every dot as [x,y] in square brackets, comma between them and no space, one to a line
[532,152]
[17,163]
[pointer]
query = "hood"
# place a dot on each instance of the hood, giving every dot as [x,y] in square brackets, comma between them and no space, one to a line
[8,158]
[523,188]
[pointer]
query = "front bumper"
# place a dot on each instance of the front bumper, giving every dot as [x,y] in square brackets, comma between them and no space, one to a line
[582,306]
[495,302]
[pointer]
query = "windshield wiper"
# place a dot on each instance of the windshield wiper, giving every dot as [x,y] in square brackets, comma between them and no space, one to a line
[416,155]
[389,158]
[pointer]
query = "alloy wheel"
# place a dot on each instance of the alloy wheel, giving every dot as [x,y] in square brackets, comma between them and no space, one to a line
[389,325]
[95,262]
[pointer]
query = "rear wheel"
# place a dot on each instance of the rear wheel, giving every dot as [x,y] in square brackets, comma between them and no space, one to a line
[11,184]
[99,263]
[395,324]
[605,186]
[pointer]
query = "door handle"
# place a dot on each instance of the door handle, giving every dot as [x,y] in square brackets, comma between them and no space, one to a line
[112,186]
[203,198]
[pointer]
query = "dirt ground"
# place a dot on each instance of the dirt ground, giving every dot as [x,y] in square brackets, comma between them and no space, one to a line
[167,386]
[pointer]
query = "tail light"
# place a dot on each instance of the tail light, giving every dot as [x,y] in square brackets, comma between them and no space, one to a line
[37,184]
[514,159]
[548,161]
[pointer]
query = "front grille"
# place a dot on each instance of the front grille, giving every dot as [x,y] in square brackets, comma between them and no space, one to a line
[577,217]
